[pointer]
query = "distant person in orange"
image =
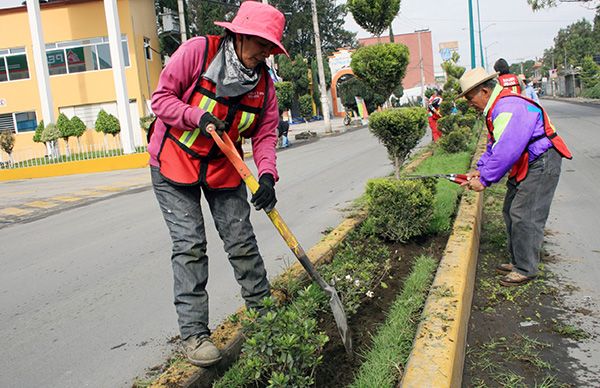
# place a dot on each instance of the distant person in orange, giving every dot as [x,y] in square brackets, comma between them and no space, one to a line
[433,106]
[506,79]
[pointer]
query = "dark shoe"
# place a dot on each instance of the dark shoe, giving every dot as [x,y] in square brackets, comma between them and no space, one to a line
[515,279]
[200,350]
[504,269]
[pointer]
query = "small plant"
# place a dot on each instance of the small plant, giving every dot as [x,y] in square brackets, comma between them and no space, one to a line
[571,332]
[399,130]
[79,129]
[283,345]
[456,141]
[50,135]
[399,209]
[7,143]
[65,128]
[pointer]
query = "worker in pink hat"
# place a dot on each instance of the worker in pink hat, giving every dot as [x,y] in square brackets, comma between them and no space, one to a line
[220,80]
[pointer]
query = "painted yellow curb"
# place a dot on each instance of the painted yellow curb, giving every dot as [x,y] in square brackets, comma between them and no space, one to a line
[122,162]
[438,353]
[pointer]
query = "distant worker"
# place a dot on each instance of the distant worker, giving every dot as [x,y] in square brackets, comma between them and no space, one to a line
[530,91]
[433,110]
[282,131]
[506,79]
[522,140]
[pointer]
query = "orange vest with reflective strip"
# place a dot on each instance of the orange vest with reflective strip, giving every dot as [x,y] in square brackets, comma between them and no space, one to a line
[188,157]
[520,168]
[510,81]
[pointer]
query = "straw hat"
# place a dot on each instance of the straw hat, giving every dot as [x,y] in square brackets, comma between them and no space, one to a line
[259,19]
[473,78]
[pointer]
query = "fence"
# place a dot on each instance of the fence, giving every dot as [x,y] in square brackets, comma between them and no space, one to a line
[32,158]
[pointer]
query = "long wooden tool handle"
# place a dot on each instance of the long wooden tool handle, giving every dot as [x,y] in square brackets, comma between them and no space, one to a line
[226,145]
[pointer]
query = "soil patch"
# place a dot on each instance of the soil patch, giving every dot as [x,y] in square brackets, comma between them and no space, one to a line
[338,367]
[515,335]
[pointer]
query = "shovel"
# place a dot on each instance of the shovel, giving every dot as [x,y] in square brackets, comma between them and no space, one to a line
[228,148]
[456,178]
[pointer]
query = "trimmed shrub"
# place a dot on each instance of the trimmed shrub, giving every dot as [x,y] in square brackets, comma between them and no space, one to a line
[305,106]
[456,141]
[593,92]
[78,126]
[37,136]
[107,123]
[462,105]
[466,120]
[448,123]
[399,130]
[381,66]
[398,209]
[7,142]
[285,94]
[50,133]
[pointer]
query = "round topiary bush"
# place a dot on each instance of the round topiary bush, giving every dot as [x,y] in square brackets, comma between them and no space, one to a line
[398,209]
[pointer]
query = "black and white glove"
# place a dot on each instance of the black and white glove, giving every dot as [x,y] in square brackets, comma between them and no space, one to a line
[208,118]
[264,198]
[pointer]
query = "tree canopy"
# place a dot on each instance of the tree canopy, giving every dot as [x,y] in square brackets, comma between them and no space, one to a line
[374,15]
[381,66]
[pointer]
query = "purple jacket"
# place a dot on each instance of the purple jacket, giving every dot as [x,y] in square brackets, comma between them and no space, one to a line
[175,87]
[516,122]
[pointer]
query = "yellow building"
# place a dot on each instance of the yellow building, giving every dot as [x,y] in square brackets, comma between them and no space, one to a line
[79,64]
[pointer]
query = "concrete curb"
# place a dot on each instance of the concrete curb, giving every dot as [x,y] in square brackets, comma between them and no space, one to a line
[438,353]
[123,162]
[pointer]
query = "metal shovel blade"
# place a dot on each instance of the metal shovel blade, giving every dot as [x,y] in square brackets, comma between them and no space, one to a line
[340,317]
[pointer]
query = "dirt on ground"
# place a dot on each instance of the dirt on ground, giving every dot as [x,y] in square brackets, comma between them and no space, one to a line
[516,337]
[338,368]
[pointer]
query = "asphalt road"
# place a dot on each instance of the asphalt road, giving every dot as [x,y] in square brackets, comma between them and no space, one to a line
[573,228]
[86,293]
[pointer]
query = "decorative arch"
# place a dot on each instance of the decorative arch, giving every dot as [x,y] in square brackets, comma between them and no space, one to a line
[334,81]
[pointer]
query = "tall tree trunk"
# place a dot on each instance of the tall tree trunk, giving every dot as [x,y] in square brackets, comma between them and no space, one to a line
[391,34]
[397,167]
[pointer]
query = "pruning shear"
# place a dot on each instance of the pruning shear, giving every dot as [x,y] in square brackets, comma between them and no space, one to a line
[456,178]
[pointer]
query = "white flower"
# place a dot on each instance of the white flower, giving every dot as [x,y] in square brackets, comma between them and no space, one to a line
[348,278]
[370,294]
[357,282]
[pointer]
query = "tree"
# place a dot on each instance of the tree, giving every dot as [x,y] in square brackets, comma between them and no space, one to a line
[295,71]
[576,41]
[298,36]
[107,124]
[7,143]
[37,136]
[526,66]
[285,94]
[79,129]
[374,15]
[50,135]
[348,89]
[453,73]
[590,72]
[306,106]
[399,130]
[66,131]
[381,66]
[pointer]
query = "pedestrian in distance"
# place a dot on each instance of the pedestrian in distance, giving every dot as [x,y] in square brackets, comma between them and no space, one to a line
[522,142]
[282,131]
[506,79]
[433,113]
[223,81]
[530,91]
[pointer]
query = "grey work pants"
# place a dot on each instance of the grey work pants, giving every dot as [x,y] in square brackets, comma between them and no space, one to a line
[526,209]
[181,209]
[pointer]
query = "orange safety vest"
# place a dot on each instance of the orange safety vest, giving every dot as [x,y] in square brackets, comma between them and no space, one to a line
[520,168]
[188,157]
[510,81]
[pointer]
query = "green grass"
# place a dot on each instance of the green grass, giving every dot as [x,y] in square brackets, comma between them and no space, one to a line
[393,342]
[571,332]
[447,192]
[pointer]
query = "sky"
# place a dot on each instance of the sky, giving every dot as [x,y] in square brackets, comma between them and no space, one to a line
[509,28]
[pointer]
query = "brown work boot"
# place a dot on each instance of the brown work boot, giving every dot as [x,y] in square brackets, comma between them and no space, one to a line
[504,268]
[515,279]
[200,350]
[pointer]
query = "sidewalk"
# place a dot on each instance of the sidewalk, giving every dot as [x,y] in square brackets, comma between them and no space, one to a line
[575,100]
[30,199]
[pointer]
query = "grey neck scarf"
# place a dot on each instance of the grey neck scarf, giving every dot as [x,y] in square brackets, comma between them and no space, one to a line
[229,74]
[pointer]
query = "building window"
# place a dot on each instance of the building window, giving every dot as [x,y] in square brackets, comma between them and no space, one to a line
[26,121]
[77,56]
[147,49]
[13,64]
[18,122]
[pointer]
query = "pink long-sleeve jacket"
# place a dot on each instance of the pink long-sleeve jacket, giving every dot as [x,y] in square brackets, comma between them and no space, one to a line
[175,87]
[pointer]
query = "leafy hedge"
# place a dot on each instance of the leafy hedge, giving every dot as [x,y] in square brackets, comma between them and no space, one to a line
[399,209]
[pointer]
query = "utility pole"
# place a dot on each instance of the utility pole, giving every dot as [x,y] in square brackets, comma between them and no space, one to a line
[552,78]
[472,34]
[182,21]
[324,100]
[480,41]
[421,67]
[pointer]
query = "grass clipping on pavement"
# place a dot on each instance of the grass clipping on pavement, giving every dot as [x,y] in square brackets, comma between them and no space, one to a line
[393,342]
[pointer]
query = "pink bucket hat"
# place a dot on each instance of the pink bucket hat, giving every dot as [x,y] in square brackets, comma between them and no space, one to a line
[258,19]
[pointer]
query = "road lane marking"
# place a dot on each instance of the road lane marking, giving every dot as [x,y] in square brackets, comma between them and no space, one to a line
[64,198]
[15,211]
[41,204]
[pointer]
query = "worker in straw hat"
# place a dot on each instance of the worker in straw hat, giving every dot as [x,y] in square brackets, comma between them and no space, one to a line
[522,141]
[219,80]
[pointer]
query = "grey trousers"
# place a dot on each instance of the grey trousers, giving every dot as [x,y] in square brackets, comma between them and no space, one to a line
[230,210]
[526,209]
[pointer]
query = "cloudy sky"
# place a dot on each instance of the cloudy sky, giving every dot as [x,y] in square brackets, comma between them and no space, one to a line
[510,29]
